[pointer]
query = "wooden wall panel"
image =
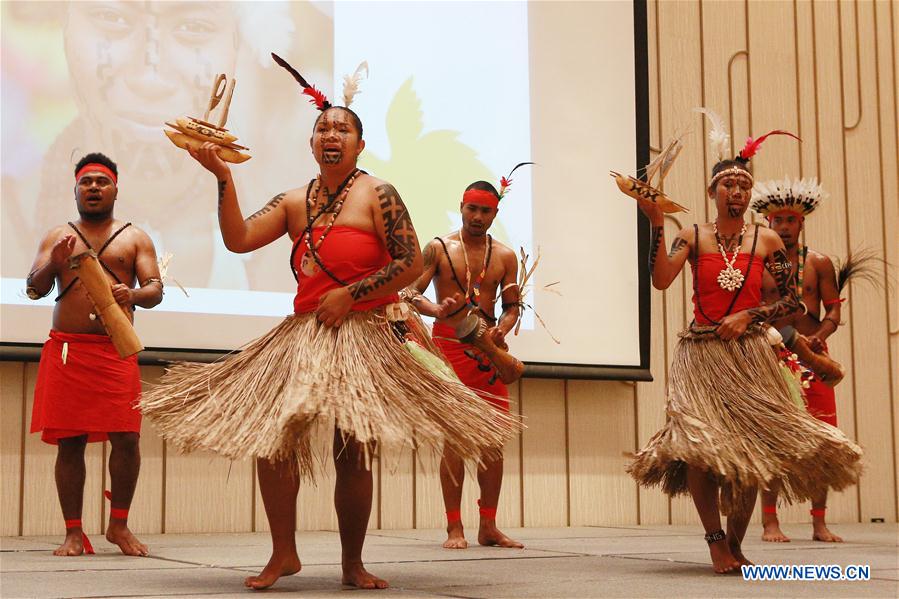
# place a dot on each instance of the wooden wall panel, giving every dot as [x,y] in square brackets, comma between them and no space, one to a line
[600,427]
[865,227]
[207,493]
[12,431]
[544,453]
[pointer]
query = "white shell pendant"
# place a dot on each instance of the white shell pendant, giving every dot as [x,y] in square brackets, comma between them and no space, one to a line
[308,265]
[730,278]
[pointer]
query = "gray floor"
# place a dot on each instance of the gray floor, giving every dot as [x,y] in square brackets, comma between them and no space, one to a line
[560,562]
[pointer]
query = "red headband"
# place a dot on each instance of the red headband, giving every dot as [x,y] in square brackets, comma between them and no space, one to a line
[480,197]
[96,167]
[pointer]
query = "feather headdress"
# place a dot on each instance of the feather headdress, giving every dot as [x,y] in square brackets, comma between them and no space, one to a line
[351,83]
[318,98]
[801,196]
[719,138]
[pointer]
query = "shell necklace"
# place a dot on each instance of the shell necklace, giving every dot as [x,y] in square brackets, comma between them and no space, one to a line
[730,278]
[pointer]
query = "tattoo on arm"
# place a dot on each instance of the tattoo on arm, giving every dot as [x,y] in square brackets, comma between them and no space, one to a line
[223,183]
[272,204]
[654,243]
[676,246]
[401,243]
[778,264]
[429,256]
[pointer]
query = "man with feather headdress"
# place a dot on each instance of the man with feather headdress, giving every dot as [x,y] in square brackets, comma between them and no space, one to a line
[785,205]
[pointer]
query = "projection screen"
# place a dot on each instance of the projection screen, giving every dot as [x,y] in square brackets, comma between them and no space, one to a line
[457,92]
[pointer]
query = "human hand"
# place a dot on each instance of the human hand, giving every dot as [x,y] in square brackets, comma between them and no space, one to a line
[333,306]
[733,326]
[498,336]
[816,344]
[450,305]
[653,212]
[123,295]
[209,159]
[61,251]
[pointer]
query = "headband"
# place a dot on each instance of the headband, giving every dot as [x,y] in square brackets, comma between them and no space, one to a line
[93,166]
[480,197]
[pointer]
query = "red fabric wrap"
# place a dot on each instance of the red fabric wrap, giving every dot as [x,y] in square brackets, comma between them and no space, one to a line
[480,197]
[818,513]
[487,512]
[453,516]
[821,401]
[74,523]
[769,509]
[833,302]
[467,368]
[95,392]
[351,254]
[96,167]
[85,542]
[714,299]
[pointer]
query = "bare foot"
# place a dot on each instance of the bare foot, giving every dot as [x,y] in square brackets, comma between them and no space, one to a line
[737,551]
[455,538]
[723,560]
[118,534]
[356,575]
[279,565]
[72,545]
[490,535]
[772,533]
[821,533]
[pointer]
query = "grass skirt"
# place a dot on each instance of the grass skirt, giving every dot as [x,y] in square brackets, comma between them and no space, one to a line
[266,400]
[730,413]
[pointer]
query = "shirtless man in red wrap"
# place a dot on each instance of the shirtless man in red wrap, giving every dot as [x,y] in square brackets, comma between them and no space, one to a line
[470,270]
[785,205]
[85,392]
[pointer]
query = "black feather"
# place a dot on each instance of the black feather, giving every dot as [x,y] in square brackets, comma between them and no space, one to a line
[859,266]
[296,75]
[516,166]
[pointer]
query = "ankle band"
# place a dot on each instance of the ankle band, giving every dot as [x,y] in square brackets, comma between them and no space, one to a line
[118,513]
[714,537]
[769,509]
[818,513]
[453,516]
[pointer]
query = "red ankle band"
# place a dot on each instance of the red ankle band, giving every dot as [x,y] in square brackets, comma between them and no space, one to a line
[454,516]
[118,513]
[488,512]
[74,523]
[818,513]
[769,509]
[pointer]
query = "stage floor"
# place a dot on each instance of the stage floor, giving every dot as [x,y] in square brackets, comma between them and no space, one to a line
[646,561]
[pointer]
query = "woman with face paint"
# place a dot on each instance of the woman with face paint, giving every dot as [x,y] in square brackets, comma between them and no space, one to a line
[732,426]
[345,360]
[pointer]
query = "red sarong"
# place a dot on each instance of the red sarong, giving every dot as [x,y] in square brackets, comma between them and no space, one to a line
[94,392]
[821,402]
[467,368]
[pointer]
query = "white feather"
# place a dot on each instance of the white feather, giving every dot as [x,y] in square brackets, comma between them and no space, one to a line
[351,83]
[719,138]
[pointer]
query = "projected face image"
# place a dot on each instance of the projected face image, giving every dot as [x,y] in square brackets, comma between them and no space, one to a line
[135,65]
[476,220]
[335,140]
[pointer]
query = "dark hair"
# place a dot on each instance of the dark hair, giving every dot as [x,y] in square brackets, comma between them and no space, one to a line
[483,186]
[355,117]
[97,158]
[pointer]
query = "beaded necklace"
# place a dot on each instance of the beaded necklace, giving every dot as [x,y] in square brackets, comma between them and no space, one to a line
[473,292]
[309,264]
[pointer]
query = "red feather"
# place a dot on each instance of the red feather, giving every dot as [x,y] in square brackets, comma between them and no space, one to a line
[318,98]
[752,145]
